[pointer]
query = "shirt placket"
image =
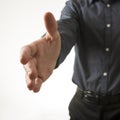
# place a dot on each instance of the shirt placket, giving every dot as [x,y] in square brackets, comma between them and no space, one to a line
[107,44]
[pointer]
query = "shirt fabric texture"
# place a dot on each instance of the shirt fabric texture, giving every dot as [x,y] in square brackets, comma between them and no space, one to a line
[93,27]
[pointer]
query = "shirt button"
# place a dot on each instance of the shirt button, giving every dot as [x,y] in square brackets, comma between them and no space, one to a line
[108,25]
[105,74]
[107,49]
[108,5]
[85,96]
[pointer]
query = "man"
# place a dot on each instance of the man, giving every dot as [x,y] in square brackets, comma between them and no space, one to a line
[92,26]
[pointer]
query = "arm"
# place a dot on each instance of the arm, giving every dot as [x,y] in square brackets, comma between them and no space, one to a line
[40,57]
[68,27]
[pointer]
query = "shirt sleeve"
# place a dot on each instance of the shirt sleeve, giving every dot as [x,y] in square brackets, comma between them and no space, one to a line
[68,27]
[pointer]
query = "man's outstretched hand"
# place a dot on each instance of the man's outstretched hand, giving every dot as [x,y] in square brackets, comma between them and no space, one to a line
[39,58]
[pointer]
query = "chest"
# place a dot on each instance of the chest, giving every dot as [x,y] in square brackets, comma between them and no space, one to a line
[100,22]
[100,16]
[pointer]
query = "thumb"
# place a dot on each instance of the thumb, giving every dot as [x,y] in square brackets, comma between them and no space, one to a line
[50,24]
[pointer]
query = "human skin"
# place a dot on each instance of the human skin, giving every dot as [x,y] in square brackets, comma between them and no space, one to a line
[39,57]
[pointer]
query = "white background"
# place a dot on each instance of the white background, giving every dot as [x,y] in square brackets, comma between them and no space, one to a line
[21,22]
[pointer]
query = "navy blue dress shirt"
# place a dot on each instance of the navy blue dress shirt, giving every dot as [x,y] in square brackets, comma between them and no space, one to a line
[93,27]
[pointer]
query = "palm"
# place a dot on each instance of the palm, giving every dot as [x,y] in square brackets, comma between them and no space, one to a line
[47,54]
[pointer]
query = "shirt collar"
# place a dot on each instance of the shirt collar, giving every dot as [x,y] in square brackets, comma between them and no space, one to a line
[91,1]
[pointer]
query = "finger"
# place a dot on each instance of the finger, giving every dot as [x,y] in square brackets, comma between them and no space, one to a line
[50,24]
[31,69]
[30,83]
[27,52]
[38,84]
